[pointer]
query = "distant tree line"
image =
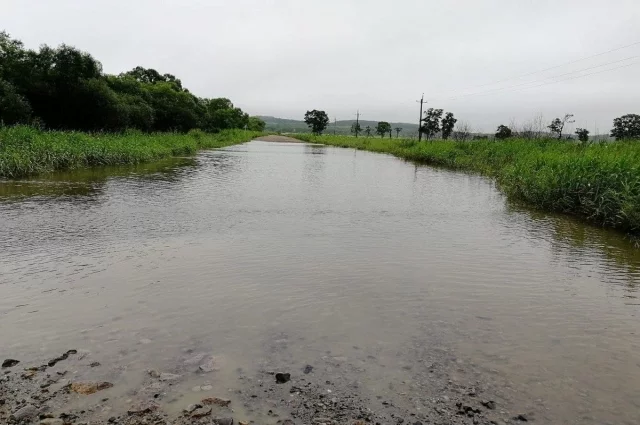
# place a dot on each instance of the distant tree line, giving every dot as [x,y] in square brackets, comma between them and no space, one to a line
[625,127]
[65,88]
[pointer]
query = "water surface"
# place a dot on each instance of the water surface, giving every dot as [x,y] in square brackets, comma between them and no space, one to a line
[301,251]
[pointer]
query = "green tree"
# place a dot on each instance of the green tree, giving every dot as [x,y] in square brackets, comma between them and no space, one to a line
[626,127]
[316,120]
[431,122]
[367,131]
[356,128]
[14,109]
[503,132]
[398,130]
[557,125]
[383,128]
[583,134]
[256,124]
[448,123]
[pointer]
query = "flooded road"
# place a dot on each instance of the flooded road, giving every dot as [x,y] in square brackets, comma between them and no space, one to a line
[292,254]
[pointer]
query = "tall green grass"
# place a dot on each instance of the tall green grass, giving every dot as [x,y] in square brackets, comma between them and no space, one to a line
[598,182]
[26,150]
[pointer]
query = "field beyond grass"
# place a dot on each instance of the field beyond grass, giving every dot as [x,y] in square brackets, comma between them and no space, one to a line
[598,182]
[27,151]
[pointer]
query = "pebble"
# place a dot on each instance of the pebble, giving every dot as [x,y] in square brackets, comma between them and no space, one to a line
[190,408]
[223,421]
[281,378]
[521,417]
[212,364]
[10,363]
[206,387]
[307,369]
[143,408]
[217,401]
[87,388]
[164,376]
[201,412]
[52,421]
[25,412]
[489,404]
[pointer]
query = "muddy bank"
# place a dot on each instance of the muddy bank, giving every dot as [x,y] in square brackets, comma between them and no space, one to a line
[72,388]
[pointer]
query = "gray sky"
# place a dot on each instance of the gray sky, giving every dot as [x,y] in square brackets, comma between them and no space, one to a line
[282,57]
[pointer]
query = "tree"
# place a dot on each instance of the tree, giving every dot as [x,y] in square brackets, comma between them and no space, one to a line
[14,109]
[367,131]
[383,128]
[557,125]
[356,128]
[462,132]
[448,122]
[583,134]
[316,120]
[256,124]
[398,130]
[503,132]
[626,127]
[431,122]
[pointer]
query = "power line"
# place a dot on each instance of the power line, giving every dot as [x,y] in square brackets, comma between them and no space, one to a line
[550,68]
[573,78]
[540,80]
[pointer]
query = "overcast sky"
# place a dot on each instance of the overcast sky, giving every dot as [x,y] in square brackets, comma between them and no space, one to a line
[282,57]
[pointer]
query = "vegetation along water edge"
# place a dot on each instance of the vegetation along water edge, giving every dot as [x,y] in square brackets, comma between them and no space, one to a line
[599,182]
[27,151]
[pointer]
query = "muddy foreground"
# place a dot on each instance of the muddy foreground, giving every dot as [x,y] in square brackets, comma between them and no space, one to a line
[327,391]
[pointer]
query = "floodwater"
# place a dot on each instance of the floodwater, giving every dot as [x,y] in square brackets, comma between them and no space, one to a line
[275,252]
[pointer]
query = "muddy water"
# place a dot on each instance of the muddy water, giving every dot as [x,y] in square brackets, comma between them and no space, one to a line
[281,254]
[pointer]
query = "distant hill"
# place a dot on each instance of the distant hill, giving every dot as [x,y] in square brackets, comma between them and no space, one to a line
[284,125]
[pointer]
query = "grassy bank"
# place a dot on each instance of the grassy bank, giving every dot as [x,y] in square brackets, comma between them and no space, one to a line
[599,182]
[27,151]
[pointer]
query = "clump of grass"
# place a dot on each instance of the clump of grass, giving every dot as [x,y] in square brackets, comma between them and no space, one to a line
[26,150]
[598,182]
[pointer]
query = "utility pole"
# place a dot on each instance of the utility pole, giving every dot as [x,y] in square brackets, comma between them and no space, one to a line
[357,122]
[335,125]
[420,120]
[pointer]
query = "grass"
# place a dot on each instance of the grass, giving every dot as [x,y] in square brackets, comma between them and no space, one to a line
[27,151]
[598,182]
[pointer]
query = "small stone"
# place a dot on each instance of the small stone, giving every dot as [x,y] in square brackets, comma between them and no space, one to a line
[281,378]
[212,364]
[307,369]
[472,392]
[164,376]
[94,364]
[243,422]
[87,388]
[217,401]
[206,387]
[195,359]
[223,421]
[196,389]
[190,408]
[288,422]
[153,373]
[26,412]
[522,417]
[201,412]
[142,408]
[489,404]
[10,363]
[52,421]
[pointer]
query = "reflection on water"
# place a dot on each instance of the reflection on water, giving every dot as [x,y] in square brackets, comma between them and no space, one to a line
[245,250]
